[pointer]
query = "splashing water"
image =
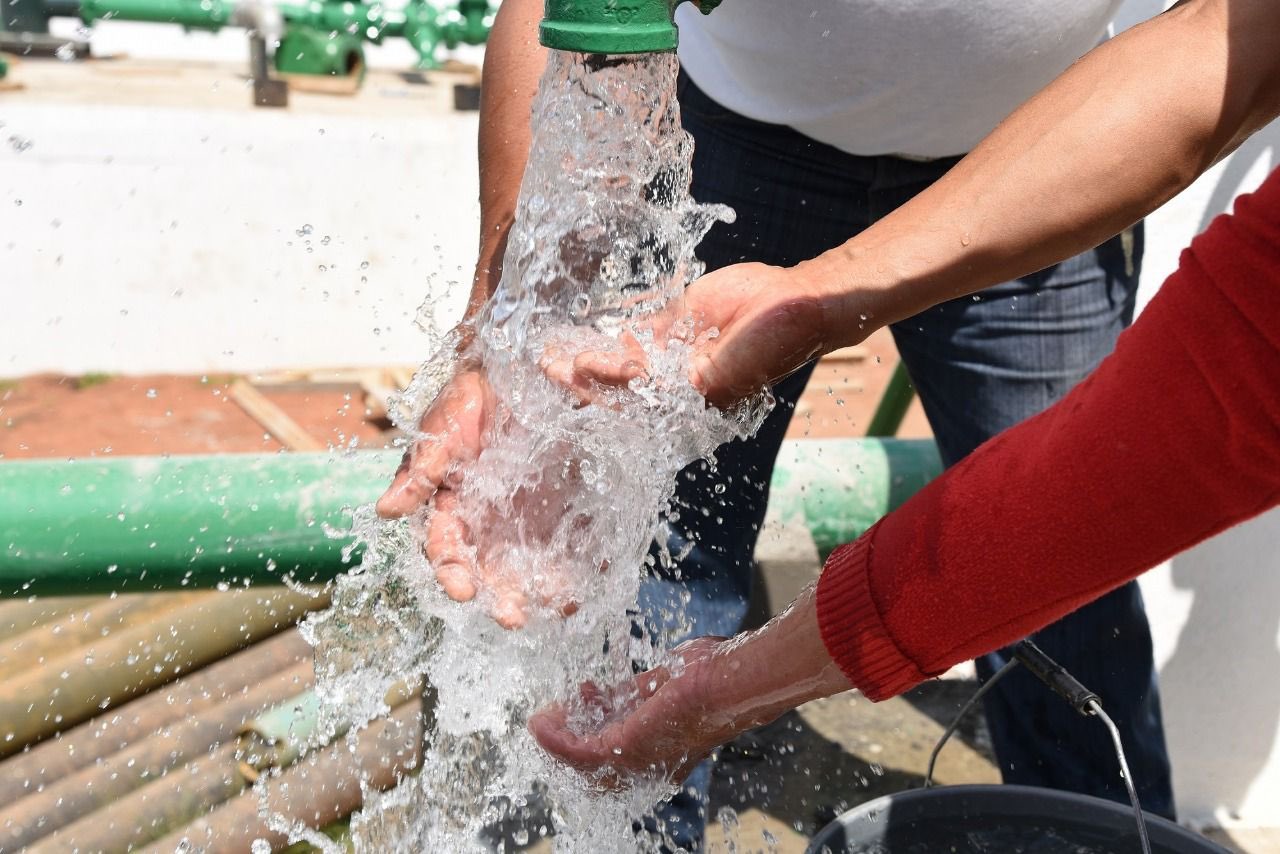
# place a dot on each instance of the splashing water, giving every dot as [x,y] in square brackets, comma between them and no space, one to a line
[567,497]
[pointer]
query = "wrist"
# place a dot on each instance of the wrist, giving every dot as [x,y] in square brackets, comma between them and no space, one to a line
[853,302]
[755,677]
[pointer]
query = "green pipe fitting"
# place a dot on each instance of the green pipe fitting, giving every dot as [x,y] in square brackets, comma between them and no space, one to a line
[613,26]
[133,524]
[193,14]
[357,20]
[304,50]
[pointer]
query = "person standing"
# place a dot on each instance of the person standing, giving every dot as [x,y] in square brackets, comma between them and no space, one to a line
[813,119]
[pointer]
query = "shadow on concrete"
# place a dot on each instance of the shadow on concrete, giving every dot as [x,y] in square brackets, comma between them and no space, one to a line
[1227,649]
[791,772]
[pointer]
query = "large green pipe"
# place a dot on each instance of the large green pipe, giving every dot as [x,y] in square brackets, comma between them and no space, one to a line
[153,523]
[156,523]
[613,26]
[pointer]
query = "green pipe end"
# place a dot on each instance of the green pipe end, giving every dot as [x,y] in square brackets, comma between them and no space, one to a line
[612,26]
[608,38]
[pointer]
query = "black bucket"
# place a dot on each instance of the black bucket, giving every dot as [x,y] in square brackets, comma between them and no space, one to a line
[999,820]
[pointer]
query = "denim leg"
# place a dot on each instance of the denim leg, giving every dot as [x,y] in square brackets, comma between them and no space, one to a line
[981,364]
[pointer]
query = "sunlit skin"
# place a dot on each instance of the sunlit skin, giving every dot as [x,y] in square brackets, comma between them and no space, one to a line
[1191,84]
[454,432]
[665,721]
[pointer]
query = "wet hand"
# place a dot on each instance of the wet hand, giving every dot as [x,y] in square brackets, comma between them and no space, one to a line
[753,324]
[661,723]
[454,431]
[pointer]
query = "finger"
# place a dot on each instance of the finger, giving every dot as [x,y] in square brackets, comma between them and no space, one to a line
[511,611]
[389,506]
[592,694]
[421,472]
[560,371]
[609,369]
[583,752]
[719,376]
[449,550]
[648,683]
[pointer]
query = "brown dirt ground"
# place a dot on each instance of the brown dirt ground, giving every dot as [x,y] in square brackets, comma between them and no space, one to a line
[93,415]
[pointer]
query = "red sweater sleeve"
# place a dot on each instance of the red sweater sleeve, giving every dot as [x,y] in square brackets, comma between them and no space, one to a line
[1173,438]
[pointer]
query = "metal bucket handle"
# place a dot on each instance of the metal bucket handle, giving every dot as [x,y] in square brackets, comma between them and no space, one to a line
[1068,688]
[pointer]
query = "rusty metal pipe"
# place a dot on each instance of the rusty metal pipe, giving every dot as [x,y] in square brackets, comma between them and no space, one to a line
[19,615]
[323,787]
[117,729]
[75,686]
[73,799]
[84,625]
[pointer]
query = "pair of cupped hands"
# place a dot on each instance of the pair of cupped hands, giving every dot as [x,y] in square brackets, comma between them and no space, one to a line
[752,325]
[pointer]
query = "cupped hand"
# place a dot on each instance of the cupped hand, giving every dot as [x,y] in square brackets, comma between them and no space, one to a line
[455,430]
[753,324]
[661,723]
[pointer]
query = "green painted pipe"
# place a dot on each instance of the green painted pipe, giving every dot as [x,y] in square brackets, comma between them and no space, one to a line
[613,26]
[893,405]
[150,523]
[210,15]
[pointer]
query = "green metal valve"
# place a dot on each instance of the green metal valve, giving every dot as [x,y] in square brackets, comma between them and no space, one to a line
[613,26]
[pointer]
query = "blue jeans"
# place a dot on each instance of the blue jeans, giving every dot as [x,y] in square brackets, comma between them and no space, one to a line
[979,364]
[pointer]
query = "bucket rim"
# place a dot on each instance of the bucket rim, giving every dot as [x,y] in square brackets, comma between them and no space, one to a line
[1018,800]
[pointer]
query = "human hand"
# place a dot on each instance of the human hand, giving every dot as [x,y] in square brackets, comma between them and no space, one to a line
[752,325]
[665,721]
[660,723]
[456,429]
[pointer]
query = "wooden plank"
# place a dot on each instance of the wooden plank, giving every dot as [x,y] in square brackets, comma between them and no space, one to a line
[276,421]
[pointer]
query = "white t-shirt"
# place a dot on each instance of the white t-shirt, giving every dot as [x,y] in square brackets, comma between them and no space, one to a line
[922,78]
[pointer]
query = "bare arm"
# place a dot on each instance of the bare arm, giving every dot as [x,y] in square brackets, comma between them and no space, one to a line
[513,63]
[1120,133]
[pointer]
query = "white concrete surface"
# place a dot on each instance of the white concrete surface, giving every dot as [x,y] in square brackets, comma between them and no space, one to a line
[167,238]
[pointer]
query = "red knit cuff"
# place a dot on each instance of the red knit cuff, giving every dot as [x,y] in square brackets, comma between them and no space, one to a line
[852,630]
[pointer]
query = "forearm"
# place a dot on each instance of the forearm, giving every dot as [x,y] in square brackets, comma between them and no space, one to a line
[1172,439]
[761,674]
[513,64]
[1122,131]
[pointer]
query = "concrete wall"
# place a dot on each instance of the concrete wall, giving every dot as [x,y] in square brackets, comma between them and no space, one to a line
[165,237]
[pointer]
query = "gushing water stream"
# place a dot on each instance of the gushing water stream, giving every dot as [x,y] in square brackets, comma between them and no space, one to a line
[564,500]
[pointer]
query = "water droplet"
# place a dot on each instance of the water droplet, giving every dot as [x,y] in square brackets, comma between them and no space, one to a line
[305,230]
